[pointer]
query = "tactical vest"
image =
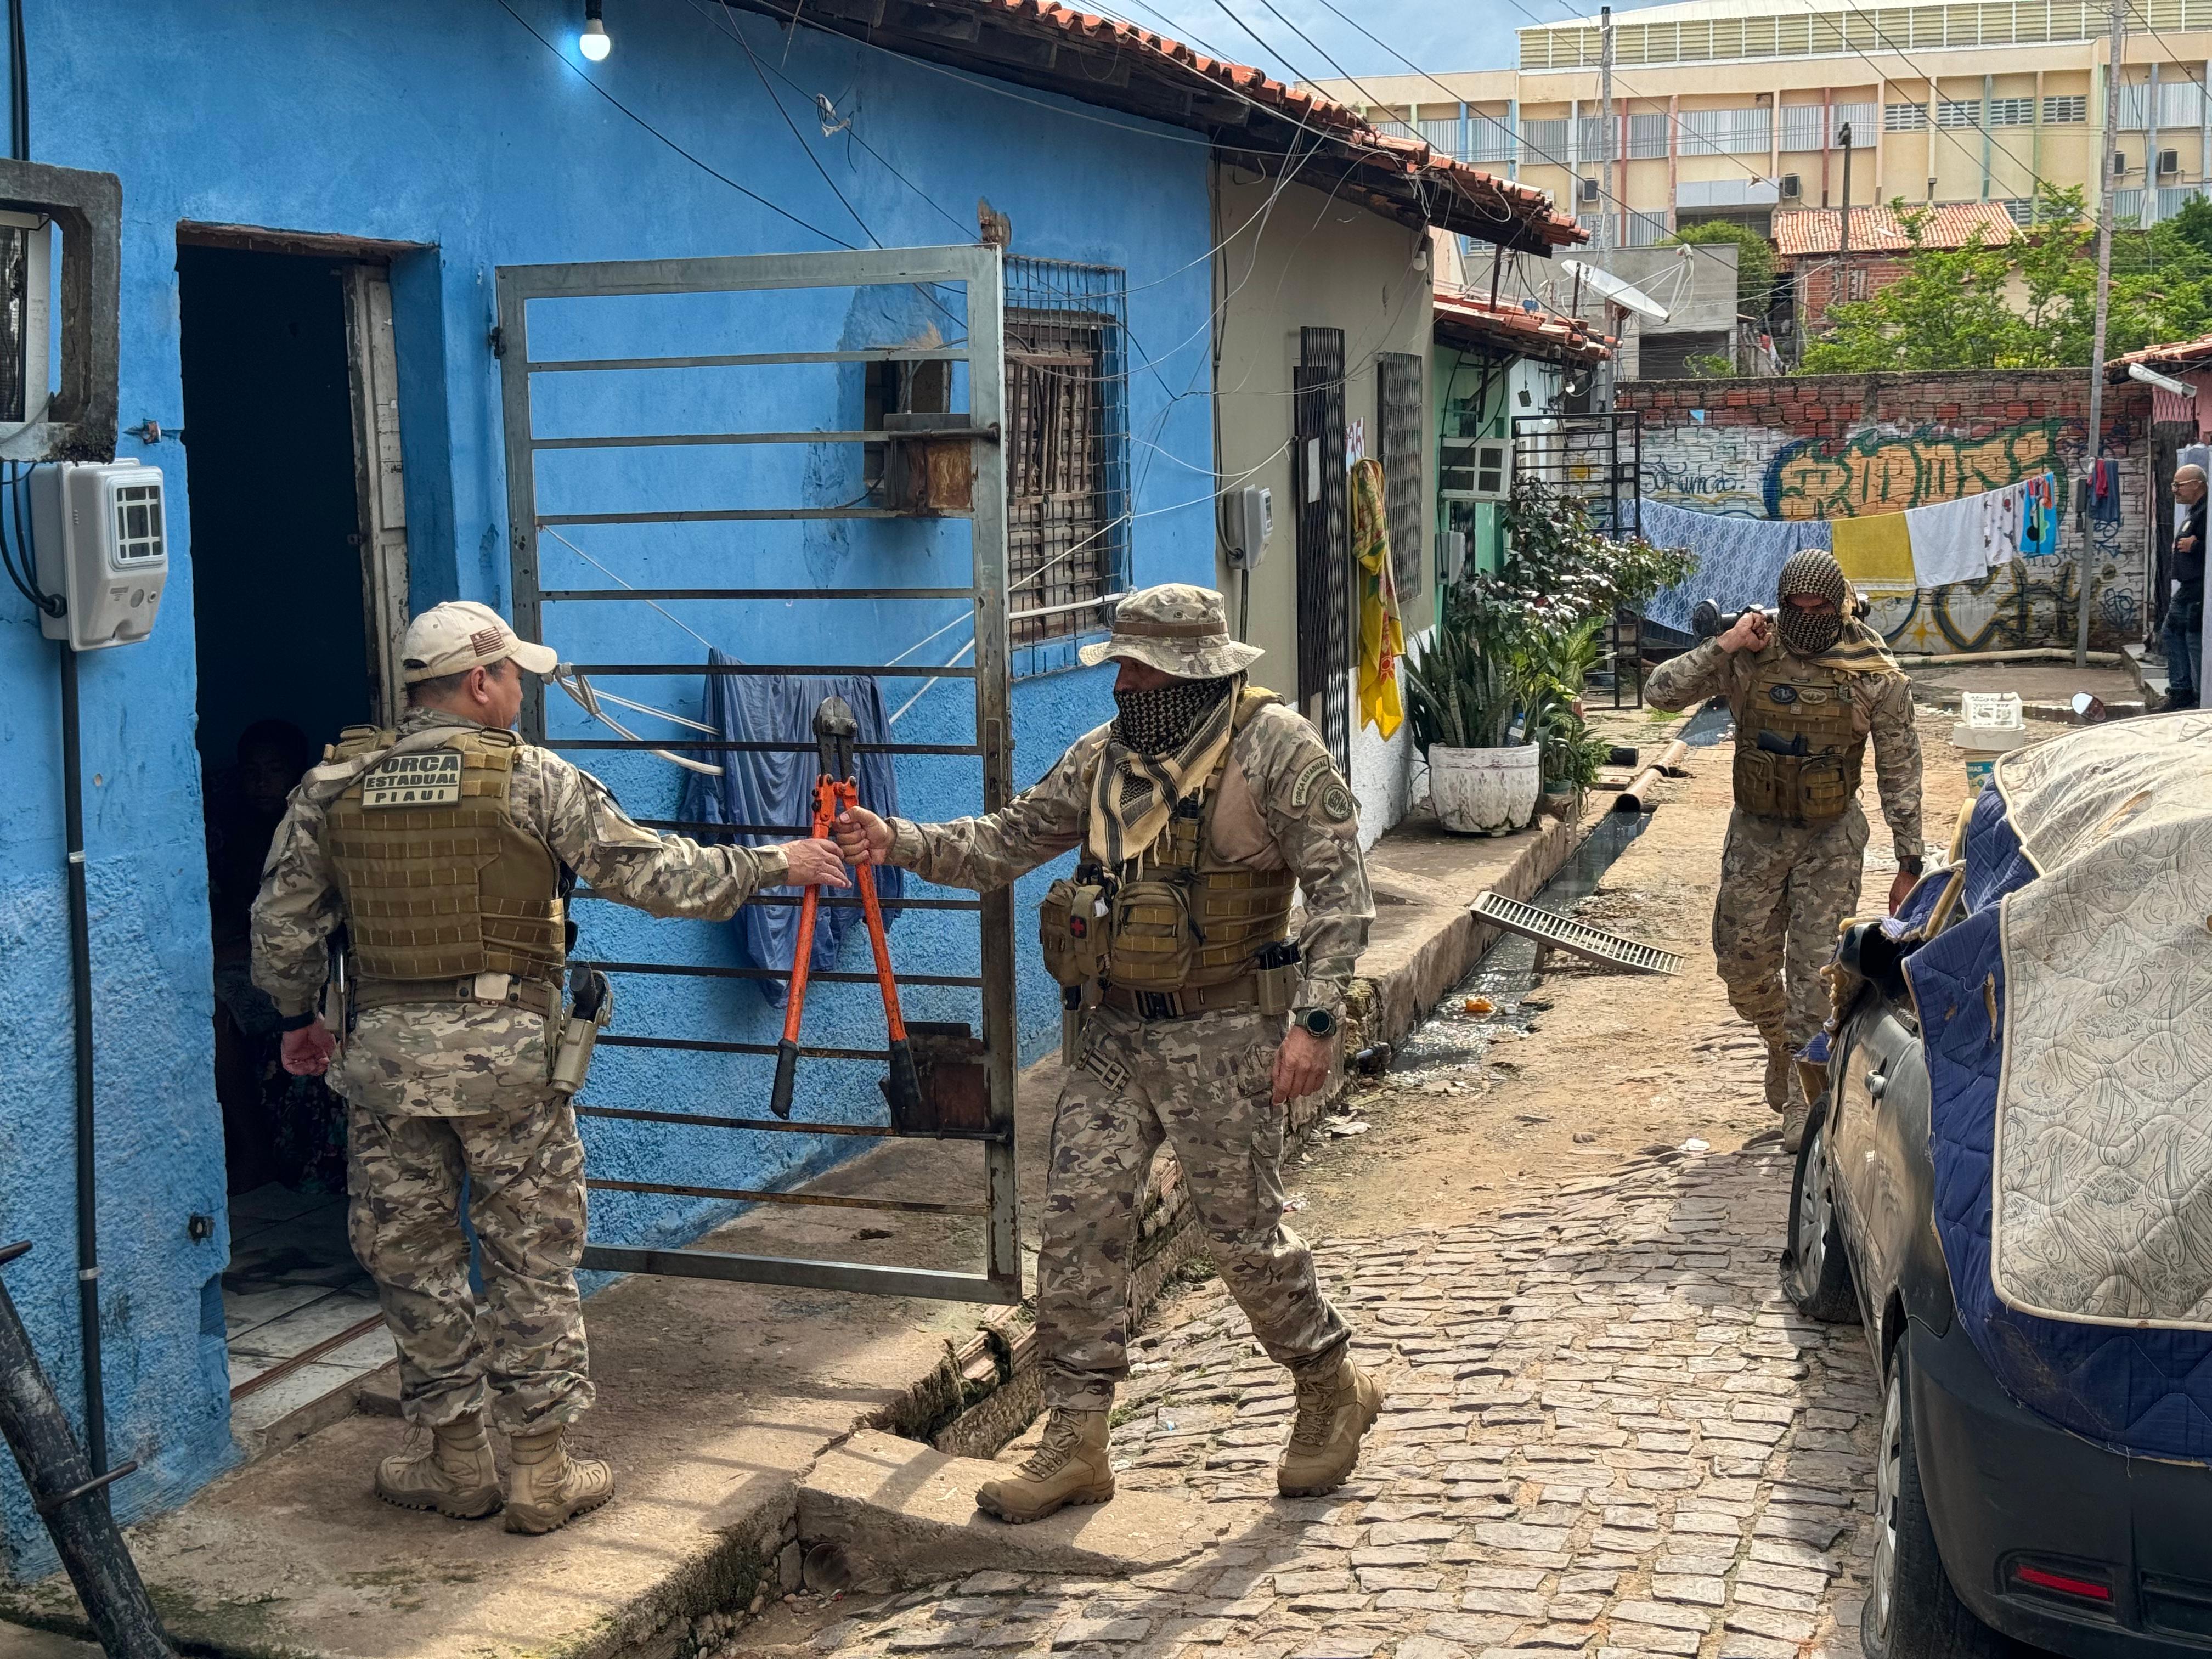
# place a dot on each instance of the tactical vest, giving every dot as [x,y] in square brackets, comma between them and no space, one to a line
[1798,741]
[1184,918]
[439,882]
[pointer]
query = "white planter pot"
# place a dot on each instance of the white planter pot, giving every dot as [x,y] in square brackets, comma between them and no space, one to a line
[1485,792]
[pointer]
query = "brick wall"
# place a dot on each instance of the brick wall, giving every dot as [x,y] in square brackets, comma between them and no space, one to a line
[1819,286]
[1836,446]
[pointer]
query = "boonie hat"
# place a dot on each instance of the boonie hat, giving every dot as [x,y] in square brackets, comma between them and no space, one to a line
[460,634]
[1177,628]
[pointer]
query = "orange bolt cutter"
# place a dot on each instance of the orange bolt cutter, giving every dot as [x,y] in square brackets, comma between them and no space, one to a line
[834,789]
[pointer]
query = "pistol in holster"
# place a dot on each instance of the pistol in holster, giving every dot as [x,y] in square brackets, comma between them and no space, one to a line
[337,1010]
[1277,975]
[591,1007]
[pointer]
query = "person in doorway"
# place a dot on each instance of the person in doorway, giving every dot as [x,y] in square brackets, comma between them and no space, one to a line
[1807,688]
[1199,810]
[445,848]
[2184,606]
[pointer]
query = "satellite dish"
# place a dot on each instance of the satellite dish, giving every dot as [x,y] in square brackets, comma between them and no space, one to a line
[1615,292]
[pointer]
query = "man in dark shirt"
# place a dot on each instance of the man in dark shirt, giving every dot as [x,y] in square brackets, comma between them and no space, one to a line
[2184,610]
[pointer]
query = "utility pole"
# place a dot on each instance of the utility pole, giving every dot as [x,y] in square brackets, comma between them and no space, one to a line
[1612,137]
[1843,282]
[2097,346]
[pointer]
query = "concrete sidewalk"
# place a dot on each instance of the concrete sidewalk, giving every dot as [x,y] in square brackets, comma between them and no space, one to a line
[719,1402]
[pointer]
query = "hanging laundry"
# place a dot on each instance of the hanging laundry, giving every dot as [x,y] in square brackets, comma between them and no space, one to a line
[2038,531]
[775,793]
[1739,559]
[1948,541]
[2105,490]
[1876,552]
[1381,633]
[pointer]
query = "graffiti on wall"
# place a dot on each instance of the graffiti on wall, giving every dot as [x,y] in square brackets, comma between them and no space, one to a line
[2030,602]
[1884,470]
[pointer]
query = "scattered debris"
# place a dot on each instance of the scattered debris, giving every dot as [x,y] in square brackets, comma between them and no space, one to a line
[1585,1137]
[1694,1145]
[1342,1130]
[1479,1005]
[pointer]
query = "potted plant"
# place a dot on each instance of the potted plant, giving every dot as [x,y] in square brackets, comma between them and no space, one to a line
[1464,691]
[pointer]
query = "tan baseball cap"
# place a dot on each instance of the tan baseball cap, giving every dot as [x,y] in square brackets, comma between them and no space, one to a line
[460,634]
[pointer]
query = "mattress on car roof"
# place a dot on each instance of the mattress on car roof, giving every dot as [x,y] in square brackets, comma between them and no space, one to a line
[2144,1391]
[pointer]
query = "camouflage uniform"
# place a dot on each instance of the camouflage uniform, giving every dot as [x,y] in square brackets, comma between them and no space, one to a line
[1787,889]
[1202,1083]
[442,1092]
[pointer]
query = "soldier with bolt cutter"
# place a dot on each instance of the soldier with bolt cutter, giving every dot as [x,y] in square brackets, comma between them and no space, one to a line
[1193,1019]
[421,875]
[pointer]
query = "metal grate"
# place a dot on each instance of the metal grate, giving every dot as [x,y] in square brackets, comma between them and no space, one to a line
[1547,927]
[1067,447]
[1598,460]
[1324,543]
[1399,422]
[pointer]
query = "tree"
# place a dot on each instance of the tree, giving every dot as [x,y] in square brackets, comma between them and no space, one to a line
[1754,259]
[2028,303]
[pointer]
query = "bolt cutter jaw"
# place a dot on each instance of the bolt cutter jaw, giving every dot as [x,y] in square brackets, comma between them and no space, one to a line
[836,730]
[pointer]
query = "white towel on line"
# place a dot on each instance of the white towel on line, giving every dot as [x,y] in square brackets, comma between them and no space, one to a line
[1950,543]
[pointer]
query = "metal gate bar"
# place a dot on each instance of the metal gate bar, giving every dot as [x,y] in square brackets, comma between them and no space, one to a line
[1598,459]
[977,271]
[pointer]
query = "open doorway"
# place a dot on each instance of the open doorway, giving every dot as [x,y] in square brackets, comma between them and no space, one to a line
[299,581]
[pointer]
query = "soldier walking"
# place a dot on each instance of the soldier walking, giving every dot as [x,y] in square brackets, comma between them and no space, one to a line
[1192,1018]
[1807,687]
[445,849]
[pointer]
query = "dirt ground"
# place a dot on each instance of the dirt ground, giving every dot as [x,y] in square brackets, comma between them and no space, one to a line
[1614,1062]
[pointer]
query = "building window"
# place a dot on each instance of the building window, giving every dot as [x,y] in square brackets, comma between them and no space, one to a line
[2011,111]
[1953,113]
[1647,137]
[1067,452]
[1905,118]
[2060,111]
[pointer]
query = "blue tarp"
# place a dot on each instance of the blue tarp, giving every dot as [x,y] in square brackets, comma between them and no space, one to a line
[778,789]
[2146,1392]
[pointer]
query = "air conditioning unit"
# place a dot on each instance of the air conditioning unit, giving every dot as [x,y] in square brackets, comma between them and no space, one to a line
[2119,163]
[2169,161]
[1586,189]
[1791,185]
[1475,469]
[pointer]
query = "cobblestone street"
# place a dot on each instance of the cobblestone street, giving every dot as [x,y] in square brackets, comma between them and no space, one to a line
[1606,1433]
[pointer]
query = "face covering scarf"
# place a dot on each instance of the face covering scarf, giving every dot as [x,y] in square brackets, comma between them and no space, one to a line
[1165,744]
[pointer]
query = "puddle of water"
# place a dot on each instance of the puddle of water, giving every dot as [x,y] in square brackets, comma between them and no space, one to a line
[1506,972]
[1707,727]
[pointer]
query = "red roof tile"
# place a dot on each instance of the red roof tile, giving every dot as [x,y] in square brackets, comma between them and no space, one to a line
[1249,116]
[1800,232]
[1461,320]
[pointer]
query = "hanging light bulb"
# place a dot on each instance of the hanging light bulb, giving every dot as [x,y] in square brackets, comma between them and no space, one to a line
[593,42]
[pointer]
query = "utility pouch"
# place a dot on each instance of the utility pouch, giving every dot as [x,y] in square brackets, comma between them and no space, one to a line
[1277,979]
[592,1005]
[1155,947]
[1072,923]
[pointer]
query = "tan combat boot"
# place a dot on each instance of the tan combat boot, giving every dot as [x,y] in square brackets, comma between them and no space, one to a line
[1796,1114]
[1779,1067]
[1069,1468]
[456,1476]
[546,1488]
[1337,1402]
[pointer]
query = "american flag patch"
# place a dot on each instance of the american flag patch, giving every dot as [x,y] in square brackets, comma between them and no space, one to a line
[431,779]
[486,641]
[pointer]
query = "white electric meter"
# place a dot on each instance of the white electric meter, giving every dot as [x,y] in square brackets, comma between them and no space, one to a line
[1251,520]
[100,532]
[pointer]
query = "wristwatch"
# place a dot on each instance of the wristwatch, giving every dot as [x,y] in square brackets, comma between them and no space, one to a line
[1318,1021]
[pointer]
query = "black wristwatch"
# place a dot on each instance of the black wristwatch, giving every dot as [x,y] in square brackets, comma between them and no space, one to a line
[1318,1021]
[1913,865]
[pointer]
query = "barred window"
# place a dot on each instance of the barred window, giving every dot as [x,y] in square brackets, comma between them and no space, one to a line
[2067,108]
[1067,448]
[1905,118]
[2011,111]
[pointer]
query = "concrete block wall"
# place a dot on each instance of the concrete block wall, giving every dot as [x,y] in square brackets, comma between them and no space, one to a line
[1838,445]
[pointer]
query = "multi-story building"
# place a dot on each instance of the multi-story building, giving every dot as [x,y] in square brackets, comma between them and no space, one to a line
[1733,108]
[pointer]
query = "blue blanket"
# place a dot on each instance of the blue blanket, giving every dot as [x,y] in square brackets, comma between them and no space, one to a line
[778,789]
[2146,1392]
[1739,559]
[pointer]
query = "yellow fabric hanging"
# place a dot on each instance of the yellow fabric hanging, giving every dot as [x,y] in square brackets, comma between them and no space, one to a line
[1876,552]
[1382,635]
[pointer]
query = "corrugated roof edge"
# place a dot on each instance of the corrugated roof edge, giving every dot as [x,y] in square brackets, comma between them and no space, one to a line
[1249,116]
[1461,319]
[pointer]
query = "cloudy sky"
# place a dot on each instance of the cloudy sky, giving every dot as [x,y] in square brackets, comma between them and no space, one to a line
[1454,34]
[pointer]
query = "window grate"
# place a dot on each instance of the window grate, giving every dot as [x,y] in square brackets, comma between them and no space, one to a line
[2065,109]
[1905,118]
[1400,422]
[1066,450]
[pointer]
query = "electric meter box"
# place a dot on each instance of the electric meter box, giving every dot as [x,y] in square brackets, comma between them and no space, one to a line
[1251,522]
[101,531]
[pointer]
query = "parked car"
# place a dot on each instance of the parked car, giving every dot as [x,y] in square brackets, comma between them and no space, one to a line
[1996,1520]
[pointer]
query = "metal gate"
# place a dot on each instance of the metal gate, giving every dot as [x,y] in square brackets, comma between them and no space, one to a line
[917,457]
[1324,539]
[1598,459]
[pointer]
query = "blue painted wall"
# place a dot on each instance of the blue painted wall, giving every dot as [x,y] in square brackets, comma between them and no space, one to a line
[452,127]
